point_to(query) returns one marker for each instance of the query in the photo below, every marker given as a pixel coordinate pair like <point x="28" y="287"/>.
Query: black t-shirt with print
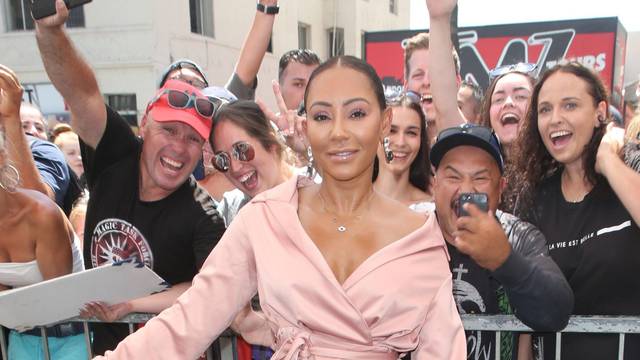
<point x="475" y="292"/>
<point x="173" y="236"/>
<point x="596" y="244"/>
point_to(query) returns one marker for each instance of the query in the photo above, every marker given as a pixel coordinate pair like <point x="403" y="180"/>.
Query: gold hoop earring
<point x="388" y="154"/>
<point x="9" y="178"/>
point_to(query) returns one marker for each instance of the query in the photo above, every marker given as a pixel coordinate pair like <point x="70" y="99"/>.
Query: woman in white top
<point x="407" y="177"/>
<point x="36" y="241"/>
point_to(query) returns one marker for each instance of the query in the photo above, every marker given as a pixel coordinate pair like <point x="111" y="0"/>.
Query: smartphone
<point x="481" y="200"/>
<point x="43" y="8"/>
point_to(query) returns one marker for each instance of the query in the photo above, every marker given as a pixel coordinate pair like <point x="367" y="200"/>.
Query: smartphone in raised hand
<point x="43" y="8"/>
<point x="481" y="200"/>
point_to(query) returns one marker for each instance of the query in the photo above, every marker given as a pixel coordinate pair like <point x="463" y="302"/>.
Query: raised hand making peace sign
<point x="290" y="124"/>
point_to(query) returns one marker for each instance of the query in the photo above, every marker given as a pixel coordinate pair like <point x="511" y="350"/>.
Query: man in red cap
<point x="144" y="204"/>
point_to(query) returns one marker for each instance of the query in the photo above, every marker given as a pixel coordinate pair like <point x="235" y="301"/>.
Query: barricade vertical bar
<point x="131" y="328"/>
<point x="498" y="338"/>
<point x="45" y="343"/>
<point x="3" y="344"/>
<point x="621" y="347"/>
<point x="87" y="339"/>
<point x="558" y="345"/>
<point x="209" y="353"/>
<point x="234" y="347"/>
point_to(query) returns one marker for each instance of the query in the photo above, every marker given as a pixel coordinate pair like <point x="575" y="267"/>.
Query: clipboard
<point x="58" y="299"/>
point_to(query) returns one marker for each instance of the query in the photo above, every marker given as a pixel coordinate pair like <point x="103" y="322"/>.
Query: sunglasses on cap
<point x="185" y="64"/>
<point x="524" y="68"/>
<point x="180" y="100"/>
<point x="242" y="151"/>
<point x="412" y="96"/>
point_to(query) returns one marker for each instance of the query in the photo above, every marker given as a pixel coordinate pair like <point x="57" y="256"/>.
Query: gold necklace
<point x="569" y="195"/>
<point x="341" y="226"/>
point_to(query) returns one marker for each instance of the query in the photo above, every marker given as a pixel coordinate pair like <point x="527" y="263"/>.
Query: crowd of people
<point x="345" y="224"/>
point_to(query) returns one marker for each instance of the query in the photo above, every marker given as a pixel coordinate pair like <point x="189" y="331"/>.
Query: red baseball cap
<point x="161" y="111"/>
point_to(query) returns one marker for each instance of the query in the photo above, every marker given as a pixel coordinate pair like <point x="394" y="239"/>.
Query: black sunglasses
<point x="524" y="68"/>
<point x="242" y="151"/>
<point x="182" y="100"/>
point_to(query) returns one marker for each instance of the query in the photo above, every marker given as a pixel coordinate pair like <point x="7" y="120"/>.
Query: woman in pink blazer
<point x="342" y="272"/>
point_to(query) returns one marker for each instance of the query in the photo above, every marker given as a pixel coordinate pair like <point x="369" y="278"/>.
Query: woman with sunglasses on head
<point x="247" y="151"/>
<point x="573" y="184"/>
<point x="329" y="261"/>
<point x="406" y="176"/>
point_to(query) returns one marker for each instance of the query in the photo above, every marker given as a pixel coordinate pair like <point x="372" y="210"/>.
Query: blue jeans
<point x="22" y="347"/>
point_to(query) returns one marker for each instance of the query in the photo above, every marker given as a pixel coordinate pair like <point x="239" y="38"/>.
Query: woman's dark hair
<point x="485" y="112"/>
<point x="351" y="63"/>
<point x="419" y="171"/>
<point x="533" y="163"/>
<point x="248" y="116"/>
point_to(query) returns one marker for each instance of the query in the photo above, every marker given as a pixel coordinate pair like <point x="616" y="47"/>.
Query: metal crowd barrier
<point x="620" y="325"/>
<point x="224" y="347"/>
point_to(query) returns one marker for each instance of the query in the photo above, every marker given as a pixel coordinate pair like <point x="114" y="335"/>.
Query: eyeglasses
<point x="182" y="100"/>
<point x="413" y="96"/>
<point x="242" y="151"/>
<point x="525" y="68"/>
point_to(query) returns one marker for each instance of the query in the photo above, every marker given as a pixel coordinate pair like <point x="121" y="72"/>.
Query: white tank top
<point x="23" y="274"/>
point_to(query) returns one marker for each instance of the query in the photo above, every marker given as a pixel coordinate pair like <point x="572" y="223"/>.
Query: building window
<point x="393" y="6"/>
<point x="304" y="36"/>
<point x="336" y="42"/>
<point x="18" y="16"/>
<point x="125" y="105"/>
<point x="201" y="16"/>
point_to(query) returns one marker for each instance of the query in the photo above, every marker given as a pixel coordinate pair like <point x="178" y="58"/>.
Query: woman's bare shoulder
<point x="397" y="215"/>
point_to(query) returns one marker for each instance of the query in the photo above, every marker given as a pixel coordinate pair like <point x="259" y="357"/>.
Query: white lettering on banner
<point x="594" y="62"/>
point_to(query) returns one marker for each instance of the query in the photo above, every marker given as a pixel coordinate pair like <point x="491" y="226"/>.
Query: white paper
<point x="62" y="298"/>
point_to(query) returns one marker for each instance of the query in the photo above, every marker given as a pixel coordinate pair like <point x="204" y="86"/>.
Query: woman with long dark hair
<point x="407" y="176"/>
<point x="506" y="101"/>
<point x="573" y="185"/>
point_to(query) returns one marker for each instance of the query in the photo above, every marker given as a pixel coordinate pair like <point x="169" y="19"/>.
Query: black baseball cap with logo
<point x="467" y="134"/>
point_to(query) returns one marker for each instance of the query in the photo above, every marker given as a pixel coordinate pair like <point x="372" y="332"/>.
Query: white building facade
<point x="129" y="43"/>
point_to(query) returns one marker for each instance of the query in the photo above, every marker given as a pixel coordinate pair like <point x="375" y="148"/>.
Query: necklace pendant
<point x="341" y="228"/>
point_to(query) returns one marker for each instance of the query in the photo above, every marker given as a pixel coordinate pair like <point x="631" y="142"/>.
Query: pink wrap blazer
<point x="397" y="301"/>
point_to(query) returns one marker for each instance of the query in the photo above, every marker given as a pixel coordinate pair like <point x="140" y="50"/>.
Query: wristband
<point x="269" y="10"/>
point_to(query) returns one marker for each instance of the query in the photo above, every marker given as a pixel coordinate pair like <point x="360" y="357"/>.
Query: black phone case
<point x="481" y="200"/>
<point x="43" y="8"/>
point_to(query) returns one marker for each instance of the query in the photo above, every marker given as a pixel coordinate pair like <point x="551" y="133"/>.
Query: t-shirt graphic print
<point x="115" y="240"/>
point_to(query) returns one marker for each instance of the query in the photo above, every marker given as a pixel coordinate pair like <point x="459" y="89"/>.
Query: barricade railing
<point x="216" y="351"/>
<point x="620" y="325"/>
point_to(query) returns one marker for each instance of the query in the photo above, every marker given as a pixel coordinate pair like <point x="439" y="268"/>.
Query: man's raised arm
<point x="71" y="76"/>
<point x="442" y="69"/>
